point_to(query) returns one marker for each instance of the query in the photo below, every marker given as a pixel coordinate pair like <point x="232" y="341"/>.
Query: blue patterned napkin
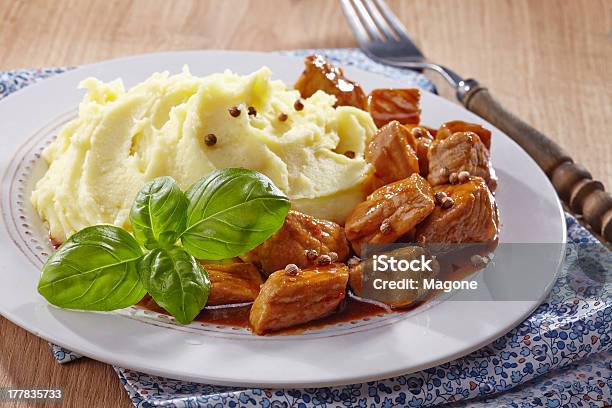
<point x="561" y="356"/>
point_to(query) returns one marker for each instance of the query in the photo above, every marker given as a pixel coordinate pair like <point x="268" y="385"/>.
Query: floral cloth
<point x="561" y="356"/>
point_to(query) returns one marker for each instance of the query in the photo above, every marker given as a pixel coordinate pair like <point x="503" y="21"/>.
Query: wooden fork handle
<point x="573" y="182"/>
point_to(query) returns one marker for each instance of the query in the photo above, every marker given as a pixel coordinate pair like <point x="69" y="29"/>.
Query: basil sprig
<point x="176" y="281"/>
<point x="223" y="215"/>
<point x="230" y="212"/>
<point x="158" y="213"/>
<point x="95" y="269"/>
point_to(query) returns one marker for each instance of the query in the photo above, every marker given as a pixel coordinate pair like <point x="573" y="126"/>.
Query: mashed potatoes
<point x="121" y="139"/>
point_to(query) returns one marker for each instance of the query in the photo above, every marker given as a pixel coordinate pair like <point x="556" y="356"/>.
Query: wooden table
<point x="547" y="60"/>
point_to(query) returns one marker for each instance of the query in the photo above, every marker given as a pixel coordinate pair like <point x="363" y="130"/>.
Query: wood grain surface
<point x="548" y="61"/>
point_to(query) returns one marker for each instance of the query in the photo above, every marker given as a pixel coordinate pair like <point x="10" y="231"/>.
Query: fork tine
<point x="365" y="20"/>
<point x="355" y="23"/>
<point x="379" y="32"/>
<point x="381" y="22"/>
<point x="395" y="23"/>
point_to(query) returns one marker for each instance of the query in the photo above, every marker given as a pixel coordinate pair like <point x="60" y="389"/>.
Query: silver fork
<point x="383" y="37"/>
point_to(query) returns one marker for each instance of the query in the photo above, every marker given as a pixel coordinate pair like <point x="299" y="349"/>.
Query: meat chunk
<point x="462" y="151"/>
<point x="233" y="283"/>
<point x="423" y="139"/>
<point x="362" y="276"/>
<point x="473" y="216"/>
<point x="386" y="105"/>
<point x="289" y="300"/>
<point x="433" y="132"/>
<point x="390" y="212"/>
<point x="320" y="75"/>
<point x="449" y="128"/>
<point x="300" y="237"/>
<point x="356" y="277"/>
<point x="392" y="152"/>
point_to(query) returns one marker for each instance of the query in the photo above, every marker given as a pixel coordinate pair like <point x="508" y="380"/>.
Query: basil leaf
<point x="176" y="281"/>
<point x="95" y="269"/>
<point x="230" y="212"/>
<point x="158" y="213"/>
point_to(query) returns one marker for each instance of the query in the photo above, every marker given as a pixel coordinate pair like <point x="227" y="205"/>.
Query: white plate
<point x="346" y="353"/>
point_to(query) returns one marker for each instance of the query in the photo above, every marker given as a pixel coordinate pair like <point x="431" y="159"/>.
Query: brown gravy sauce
<point x="350" y="310"/>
